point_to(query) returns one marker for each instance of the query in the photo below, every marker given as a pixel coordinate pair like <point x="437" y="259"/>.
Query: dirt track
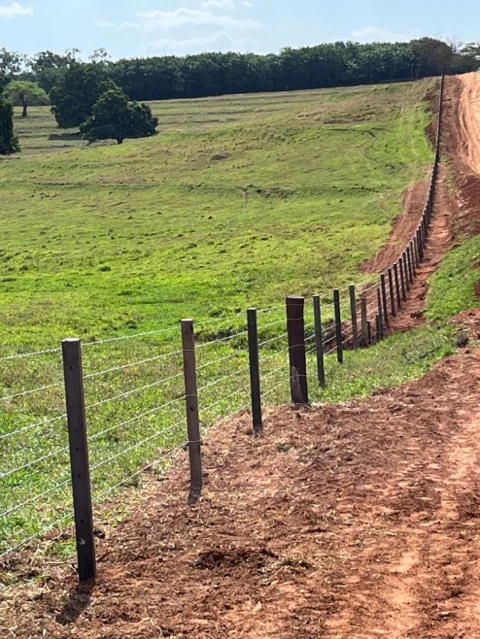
<point x="348" y="522"/>
<point x="470" y="119"/>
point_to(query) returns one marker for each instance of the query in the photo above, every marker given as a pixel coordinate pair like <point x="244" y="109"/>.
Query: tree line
<point x="195" y="76"/>
<point x="99" y="96"/>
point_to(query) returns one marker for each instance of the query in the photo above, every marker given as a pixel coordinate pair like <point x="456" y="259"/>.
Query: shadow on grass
<point x="66" y="136"/>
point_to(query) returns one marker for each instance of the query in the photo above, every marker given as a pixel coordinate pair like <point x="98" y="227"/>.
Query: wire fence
<point x="137" y="402"/>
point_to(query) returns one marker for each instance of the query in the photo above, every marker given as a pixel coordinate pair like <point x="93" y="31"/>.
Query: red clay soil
<point x="454" y="213"/>
<point x="351" y="521"/>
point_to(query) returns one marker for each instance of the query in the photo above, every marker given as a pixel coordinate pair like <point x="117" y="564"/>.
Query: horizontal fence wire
<point x="368" y="290"/>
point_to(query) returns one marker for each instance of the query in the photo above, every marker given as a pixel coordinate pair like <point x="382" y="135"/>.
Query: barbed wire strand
<point x="30" y="392"/>
<point x="133" y="392"/>
<point x="152" y="411"/>
<point x="32" y="426"/>
<point x="34" y="499"/>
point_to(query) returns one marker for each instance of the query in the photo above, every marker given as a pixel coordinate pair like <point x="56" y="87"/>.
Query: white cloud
<point x="248" y="4"/>
<point x="106" y="24"/>
<point x="220" y="4"/>
<point x="221" y="41"/>
<point x="14" y="10"/>
<point x="373" y="34"/>
<point x="118" y="27"/>
<point x="165" y="20"/>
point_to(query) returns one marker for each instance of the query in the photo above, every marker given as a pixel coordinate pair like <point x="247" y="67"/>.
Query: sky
<point x="137" y="28"/>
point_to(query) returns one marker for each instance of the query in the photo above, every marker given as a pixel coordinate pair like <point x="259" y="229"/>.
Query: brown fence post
<point x="254" y="371"/>
<point x="409" y="265"/>
<point x="317" y="311"/>
<point x="338" y="325"/>
<point x="402" y="279"/>
<point x="392" y="292"/>
<point x="383" y="285"/>
<point x="296" y="348"/>
<point x="405" y="270"/>
<point x="79" y="463"/>
<point x="412" y="259"/>
<point x="193" y="420"/>
<point x="353" y="311"/>
<point x="380" y="314"/>
<point x="397" y="286"/>
<point x="364" y="314"/>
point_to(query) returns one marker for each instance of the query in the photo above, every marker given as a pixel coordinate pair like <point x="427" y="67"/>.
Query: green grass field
<point x="239" y="200"/>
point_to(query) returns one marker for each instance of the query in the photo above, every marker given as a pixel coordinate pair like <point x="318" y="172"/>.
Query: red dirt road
<point x="470" y="119"/>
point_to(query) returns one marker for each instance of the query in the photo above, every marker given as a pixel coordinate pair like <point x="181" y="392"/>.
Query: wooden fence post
<point x="296" y="349"/>
<point x="380" y="315"/>
<point x="193" y="419"/>
<point x="412" y="260"/>
<point x="79" y="463"/>
<point x="364" y="314"/>
<point x="353" y="311"/>
<point x="402" y="279"/>
<point x="254" y="371"/>
<point x="338" y="325"/>
<point x="384" y="300"/>
<point x="397" y="286"/>
<point x="317" y="312"/>
<point x="405" y="270"/>
<point x="410" y="265"/>
<point x="392" y="292"/>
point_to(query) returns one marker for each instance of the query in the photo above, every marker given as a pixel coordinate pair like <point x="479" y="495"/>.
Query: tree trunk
<point x="25" y="107"/>
<point x="120" y="140"/>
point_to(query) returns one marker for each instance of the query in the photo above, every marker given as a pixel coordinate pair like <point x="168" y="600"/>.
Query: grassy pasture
<point x="240" y="200"/>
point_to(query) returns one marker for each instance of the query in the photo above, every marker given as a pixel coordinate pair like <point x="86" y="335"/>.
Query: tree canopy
<point x="8" y="140"/>
<point x="159" y="78"/>
<point x="115" y="118"/>
<point x="76" y="92"/>
<point x="24" y="93"/>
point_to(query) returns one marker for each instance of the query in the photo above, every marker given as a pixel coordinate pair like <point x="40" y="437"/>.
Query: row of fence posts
<point x="390" y="300"/>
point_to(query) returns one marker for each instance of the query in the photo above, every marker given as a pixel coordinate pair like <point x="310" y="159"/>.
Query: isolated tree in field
<point x="115" y="118"/>
<point x="23" y="93"/>
<point x="76" y="92"/>
<point x="8" y="140"/>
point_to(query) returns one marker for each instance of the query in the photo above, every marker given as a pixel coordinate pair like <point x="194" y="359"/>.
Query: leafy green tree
<point x="8" y="140"/>
<point x="115" y="118"/>
<point x="76" y="93"/>
<point x="24" y="93"/>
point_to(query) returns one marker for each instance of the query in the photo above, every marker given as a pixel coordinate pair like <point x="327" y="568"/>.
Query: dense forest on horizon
<point x="208" y="74"/>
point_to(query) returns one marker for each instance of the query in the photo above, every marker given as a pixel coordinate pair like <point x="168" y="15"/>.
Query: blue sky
<point x="129" y="28"/>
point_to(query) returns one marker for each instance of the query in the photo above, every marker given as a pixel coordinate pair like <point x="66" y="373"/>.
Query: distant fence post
<point x="392" y="292"/>
<point x="384" y="300"/>
<point x="402" y="279"/>
<point x="317" y="311"/>
<point x="79" y="463"/>
<point x="364" y="315"/>
<point x="353" y="311"/>
<point x="193" y="419"/>
<point x="410" y="264"/>
<point x="380" y="315"/>
<point x="419" y="244"/>
<point x="296" y="349"/>
<point x="254" y="371"/>
<point x="338" y="325"/>
<point x="405" y="270"/>
<point x="397" y="286"/>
